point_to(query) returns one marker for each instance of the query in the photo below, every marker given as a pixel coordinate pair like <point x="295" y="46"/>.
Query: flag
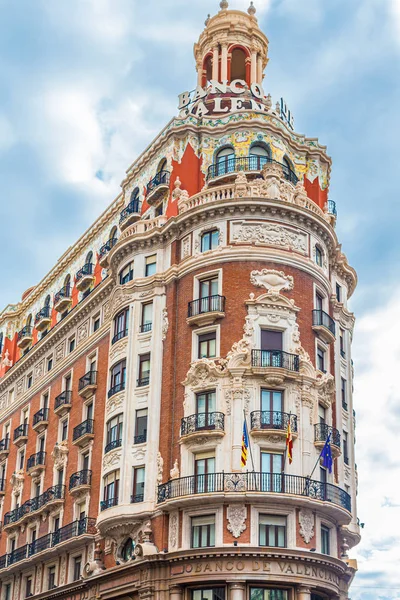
<point x="245" y="445"/>
<point x="289" y="443"/>
<point x="326" y="454"/>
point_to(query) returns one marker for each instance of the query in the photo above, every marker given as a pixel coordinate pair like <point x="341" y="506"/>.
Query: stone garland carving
<point x="63" y="570"/>
<point x="38" y="579"/>
<point x="186" y="250"/>
<point x="114" y="403"/>
<point x="271" y="280"/>
<point x="39" y="369"/>
<point x="17" y="481"/>
<point x="165" y="323"/>
<point x="20" y="387"/>
<point x="173" y="531"/>
<point x="111" y="459"/>
<point x="270" y="234"/>
<point x="60" y="352"/>
<point x="236" y="515"/>
<point x="306" y="521"/>
<point x="205" y="372"/>
<point x="83" y="331"/>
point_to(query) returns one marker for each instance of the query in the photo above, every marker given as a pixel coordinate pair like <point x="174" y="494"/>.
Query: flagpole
<point x="319" y="457"/>
<point x="286" y="447"/>
<point x="248" y="437"/>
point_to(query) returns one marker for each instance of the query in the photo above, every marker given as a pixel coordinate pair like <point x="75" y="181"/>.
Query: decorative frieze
<point x="269" y="234"/>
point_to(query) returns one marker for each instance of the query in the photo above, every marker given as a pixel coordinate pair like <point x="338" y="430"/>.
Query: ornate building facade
<point x="212" y="292"/>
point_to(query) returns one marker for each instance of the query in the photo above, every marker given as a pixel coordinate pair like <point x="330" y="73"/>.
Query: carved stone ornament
<point x="63" y="570"/>
<point x="237" y="515"/>
<point x="20" y="387"/>
<point x="95" y="566"/>
<point x="160" y="468"/>
<point x="118" y="348"/>
<point x="60" y="455"/>
<point x="38" y="579"/>
<point x="165" y="323"/>
<point x="173" y="531"/>
<point x="204" y="372"/>
<point x="271" y="280"/>
<point x="186" y="247"/>
<point x="17" y="481"/>
<point x="6" y="362"/>
<point x="326" y="389"/>
<point x="174" y="473"/>
<point x="270" y="234"/>
<point x="39" y="369"/>
<point x="83" y="331"/>
<point x="306" y="521"/>
<point x="115" y="402"/>
<point x="60" y="351"/>
<point x="111" y="459"/>
<point x="239" y="355"/>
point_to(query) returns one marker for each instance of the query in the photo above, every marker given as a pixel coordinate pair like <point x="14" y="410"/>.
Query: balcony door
<point x="208" y="288"/>
<point x="271" y="472"/>
<point x="204" y="474"/>
<point x="271" y="346"/>
<point x="205" y="406"/>
<point x="271" y="409"/>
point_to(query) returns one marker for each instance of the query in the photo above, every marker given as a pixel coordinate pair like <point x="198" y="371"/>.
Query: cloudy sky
<point x="86" y="84"/>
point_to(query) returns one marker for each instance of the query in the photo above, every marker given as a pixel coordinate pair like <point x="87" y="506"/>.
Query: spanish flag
<point x="245" y="445"/>
<point x="289" y="443"/>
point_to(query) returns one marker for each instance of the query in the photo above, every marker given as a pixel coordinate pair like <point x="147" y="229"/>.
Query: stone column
<point x="237" y="590"/>
<point x="224" y="62"/>
<point x="303" y="593"/>
<point x="215" y="64"/>
<point x="253" y="78"/>
<point x="259" y="70"/>
<point x="175" y="592"/>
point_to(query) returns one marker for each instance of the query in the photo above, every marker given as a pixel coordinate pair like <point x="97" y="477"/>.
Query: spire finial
<point x="207" y="20"/>
<point x="224" y="4"/>
<point x="251" y="10"/>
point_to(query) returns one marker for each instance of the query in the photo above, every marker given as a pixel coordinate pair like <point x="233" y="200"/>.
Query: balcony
<point x="50" y="498"/>
<point x="116" y="388"/>
<point x="63" y="299"/>
<point x="206" y="311"/>
<point x="146" y="327"/>
<point x="263" y="422"/>
<point x="21" y="435"/>
<point x="324" y="325"/>
<point x="158" y="187"/>
<point x="275" y="365"/>
<point x="112" y="445"/>
<point x="130" y="214"/>
<point x="43" y="318"/>
<point x="25" y="337"/>
<point x="4" y="447"/>
<point x="87" y="384"/>
<point x="83" y="433"/>
<point x="140" y="439"/>
<point x="137" y="498"/>
<point x="321" y="433"/>
<point x="224" y="169"/>
<point x="85" y="277"/>
<point x="36" y="464"/>
<point x="80" y="482"/>
<point x="2" y="487"/>
<point x="109" y="503"/>
<point x="252" y="483"/>
<point x="41" y="420"/>
<point x="119" y="336"/>
<point x="105" y="250"/>
<point x="144" y="380"/>
<point x="203" y="425"/>
<point x="63" y="402"/>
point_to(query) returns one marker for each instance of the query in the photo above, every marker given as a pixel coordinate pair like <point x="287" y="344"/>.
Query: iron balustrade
<point x="74" y="529"/>
<point x="56" y="492"/>
<point x="205" y="305"/>
<point x="80" y="478"/>
<point x="42" y="543"/>
<point x="116" y="388"/>
<point x="21" y="431"/>
<point x="17" y="555"/>
<point x="119" y="335"/>
<point x="142" y="381"/>
<point x="4" y="444"/>
<point x="321" y="319"/>
<point x="247" y="163"/>
<point x="332" y="208"/>
<point x="140" y="439"/>
<point x="278" y="483"/>
<point x="25" y="332"/>
<point x="137" y="498"/>
<point x="266" y="419"/>
<point x="322" y="432"/>
<point x="83" y="429"/>
<point x="63" y="398"/>
<point x="275" y="358"/>
<point x="112" y="445"/>
<point x="44" y="313"/>
<point x="134" y="207"/>
<point x="2" y="485"/>
<point x="109" y="503"/>
<point x="85" y="271"/>
<point x="146" y="327"/>
<point x="107" y="247"/>
<point x="203" y="421"/>
<point x="89" y="378"/>
<point x="64" y="293"/>
<point x="161" y="178"/>
<point x="36" y="459"/>
<point x="41" y="415"/>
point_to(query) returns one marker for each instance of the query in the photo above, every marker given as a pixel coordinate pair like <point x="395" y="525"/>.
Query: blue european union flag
<point x="327" y="460"/>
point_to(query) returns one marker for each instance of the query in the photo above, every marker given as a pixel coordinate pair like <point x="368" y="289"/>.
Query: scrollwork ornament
<point x="236" y="515"/>
<point x="306" y="521"/>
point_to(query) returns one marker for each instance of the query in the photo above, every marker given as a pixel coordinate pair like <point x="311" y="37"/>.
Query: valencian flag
<point x="327" y="460"/>
<point x="245" y="445"/>
<point x="289" y="443"/>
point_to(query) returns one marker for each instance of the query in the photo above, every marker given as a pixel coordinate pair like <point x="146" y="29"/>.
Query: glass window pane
<point x="212" y="535"/>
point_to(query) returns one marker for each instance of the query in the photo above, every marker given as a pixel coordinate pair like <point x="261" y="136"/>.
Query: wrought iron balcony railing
<point x="322" y="431"/>
<point x="74" y="529"/>
<point x="25" y="332"/>
<point x="140" y="439"/>
<point x="105" y="249"/>
<point x="36" y="459"/>
<point x="56" y="492"/>
<point x="64" y="398"/>
<point x="82" y="429"/>
<point x="109" y="503"/>
<point x="80" y="478"/>
<point x="119" y="335"/>
<point x="41" y="415"/>
<point x="247" y="164"/>
<point x="86" y="270"/>
<point x="146" y="327"/>
<point x="116" y="388"/>
<point x="277" y="483"/>
<point x="21" y="431"/>
<point x="134" y="207"/>
<point x="161" y="178"/>
<point x="322" y="319"/>
<point x="265" y="419"/>
<point x="89" y="378"/>
<point x="44" y="313"/>
<point x="213" y="421"/>
<point x="137" y="498"/>
<point x="112" y="445"/>
<point x="205" y="305"/>
<point x="144" y="380"/>
<point x="63" y="294"/>
<point x="275" y="358"/>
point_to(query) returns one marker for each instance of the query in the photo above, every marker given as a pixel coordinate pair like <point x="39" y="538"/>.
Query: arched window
<point x="288" y="170"/>
<point x="162" y="166"/>
<point x="259" y="155"/>
<point x="208" y="68"/>
<point x="238" y="64"/>
<point x="225" y="161"/>
<point x="128" y="550"/>
<point x="210" y="240"/>
<point x="1" y="344"/>
<point x="113" y="236"/>
<point x="47" y="301"/>
<point x="89" y="258"/>
<point x="29" y="321"/>
<point x="319" y="256"/>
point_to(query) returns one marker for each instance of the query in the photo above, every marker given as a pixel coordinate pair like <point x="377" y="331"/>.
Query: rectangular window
<point x="138" y="484"/>
<point x="51" y="578"/>
<point x="268" y="594"/>
<point x="272" y="530"/>
<point x="77" y="568"/>
<point x="29" y="381"/>
<point x="60" y="477"/>
<point x="345" y="448"/>
<point x="321" y="359"/>
<point x="147" y="317"/>
<point x="325" y="540"/>
<point x="126" y="274"/>
<point x="209" y="594"/>
<point x="118" y="377"/>
<point x="322" y="475"/>
<point x="207" y="347"/>
<point x="64" y="429"/>
<point x="271" y="340"/>
<point x="271" y="408"/>
<point x="45" y="401"/>
<point x="121" y="325"/>
<point x="111" y="489"/>
<point x="272" y="466"/>
<point x="28" y="587"/>
<point x="71" y="344"/>
<point x="7" y="591"/>
<point x="67" y="383"/>
<point x="96" y="323"/>
<point x="321" y="414"/>
<point x="205" y="402"/>
<point x="203" y="532"/>
<point x="210" y="240"/>
<point x="204" y="468"/>
<point x="343" y="386"/>
<point x="338" y="292"/>
<point x="21" y="460"/>
<point x="151" y="265"/>
<point x="49" y="363"/>
<point x="89" y="411"/>
<point x="114" y="433"/>
<point x="141" y="426"/>
<point x="208" y="287"/>
<point x="319" y="301"/>
<point x="342" y="346"/>
<point x="144" y="369"/>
